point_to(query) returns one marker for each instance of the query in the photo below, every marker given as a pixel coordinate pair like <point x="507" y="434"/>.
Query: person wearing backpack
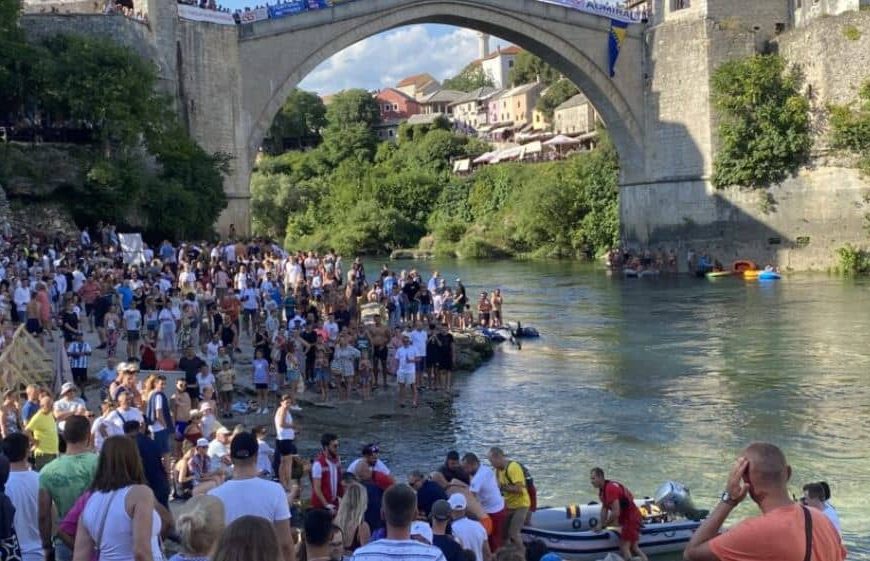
<point x="512" y="483"/>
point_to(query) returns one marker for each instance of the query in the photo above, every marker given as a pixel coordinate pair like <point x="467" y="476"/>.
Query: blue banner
<point x="317" y="4"/>
<point x="599" y="8"/>
<point x="614" y="42"/>
<point x="288" y="8"/>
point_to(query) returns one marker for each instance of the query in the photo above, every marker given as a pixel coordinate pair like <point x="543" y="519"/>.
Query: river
<point x="657" y="379"/>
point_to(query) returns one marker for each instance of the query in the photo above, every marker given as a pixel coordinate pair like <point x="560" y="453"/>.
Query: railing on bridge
<point x="635" y="11"/>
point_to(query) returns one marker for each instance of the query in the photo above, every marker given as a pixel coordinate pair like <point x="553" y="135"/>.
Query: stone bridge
<point x="230" y="81"/>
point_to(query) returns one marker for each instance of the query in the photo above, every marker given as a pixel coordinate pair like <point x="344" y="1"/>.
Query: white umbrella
<point x="561" y="140"/>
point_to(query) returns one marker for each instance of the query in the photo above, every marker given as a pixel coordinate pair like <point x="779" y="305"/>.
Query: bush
<point x="764" y="129"/>
<point x="853" y="260"/>
<point x="850" y="126"/>
<point x="851" y="32"/>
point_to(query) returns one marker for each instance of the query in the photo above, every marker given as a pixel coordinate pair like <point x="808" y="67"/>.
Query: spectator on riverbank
<point x="761" y="472"/>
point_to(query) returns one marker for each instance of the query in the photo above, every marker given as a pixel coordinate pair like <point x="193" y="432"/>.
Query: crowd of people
<point x="82" y="484"/>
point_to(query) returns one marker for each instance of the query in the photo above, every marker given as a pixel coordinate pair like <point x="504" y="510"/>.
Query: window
<point x="391" y="133"/>
<point x="680" y="4"/>
<point x="510" y="64"/>
<point x="395" y="107"/>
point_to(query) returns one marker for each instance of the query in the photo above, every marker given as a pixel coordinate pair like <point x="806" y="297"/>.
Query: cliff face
<point x="31" y="177"/>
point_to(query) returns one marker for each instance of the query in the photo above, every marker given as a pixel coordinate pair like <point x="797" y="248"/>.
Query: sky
<point x="383" y="60"/>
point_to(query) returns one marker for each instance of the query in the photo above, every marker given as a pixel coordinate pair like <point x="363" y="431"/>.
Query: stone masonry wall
<point x="208" y="59"/>
<point x="796" y="225"/>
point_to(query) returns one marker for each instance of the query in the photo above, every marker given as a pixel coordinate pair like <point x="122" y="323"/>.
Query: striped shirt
<point x="397" y="550"/>
<point x="79" y="348"/>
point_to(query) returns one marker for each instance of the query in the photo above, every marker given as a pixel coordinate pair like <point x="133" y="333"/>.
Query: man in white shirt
<point x="250" y="305"/>
<point x="21" y="297"/>
<point x="814" y="496"/>
<point x="418" y="340"/>
<point x="406" y="373"/>
<point x="248" y="494"/>
<point x="331" y="328"/>
<point x="470" y="533"/>
<point x="399" y="510"/>
<point x="371" y="456"/>
<point x="125" y="412"/>
<point x="68" y="405"/>
<point x="23" y="490"/>
<point x="484" y="485"/>
<point x="219" y="452"/>
<point x="132" y="323"/>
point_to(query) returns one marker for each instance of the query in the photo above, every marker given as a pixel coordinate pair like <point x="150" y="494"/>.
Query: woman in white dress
<point x="119" y="522"/>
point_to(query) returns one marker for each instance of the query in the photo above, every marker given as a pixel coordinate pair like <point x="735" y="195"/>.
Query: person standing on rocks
<point x="379" y="335"/>
<point x="326" y="485"/>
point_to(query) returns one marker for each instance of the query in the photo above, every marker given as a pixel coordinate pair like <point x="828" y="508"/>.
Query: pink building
<point x="394" y="105"/>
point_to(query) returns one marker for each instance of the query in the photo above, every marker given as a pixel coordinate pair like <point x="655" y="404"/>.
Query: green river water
<point x="657" y="379"/>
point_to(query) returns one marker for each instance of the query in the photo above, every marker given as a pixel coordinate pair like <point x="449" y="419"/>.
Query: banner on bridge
<point x="250" y="16"/>
<point x="599" y="9"/>
<point x="194" y="13"/>
<point x="288" y="8"/>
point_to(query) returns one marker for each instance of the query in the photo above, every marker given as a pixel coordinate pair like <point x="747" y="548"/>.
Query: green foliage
<point x="396" y="195"/>
<point x="764" y="129"/>
<point x="853" y="260"/>
<point x="556" y="95"/>
<point x="97" y="83"/>
<point x="352" y="107"/>
<point x="469" y="78"/>
<point x="529" y="68"/>
<point x="851" y="32"/>
<point x="303" y="115"/>
<point x="850" y="126"/>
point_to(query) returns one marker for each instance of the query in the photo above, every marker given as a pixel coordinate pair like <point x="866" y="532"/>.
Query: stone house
<point x="575" y="116"/>
<point x="470" y="110"/>
<point x="418" y="86"/>
<point x="395" y="104"/>
<point x="439" y="102"/>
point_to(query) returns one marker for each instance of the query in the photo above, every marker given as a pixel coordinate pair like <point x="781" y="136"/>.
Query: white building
<point x="497" y="65"/>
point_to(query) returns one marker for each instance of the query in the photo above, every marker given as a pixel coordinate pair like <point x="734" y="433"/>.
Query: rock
<point x="411" y="254"/>
<point x="472" y="350"/>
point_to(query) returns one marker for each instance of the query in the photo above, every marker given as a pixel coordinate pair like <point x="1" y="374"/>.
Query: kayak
<point x="769" y="275"/>
<point x="718" y="274"/>
<point x="742" y="266"/>
<point x="751" y="274"/>
<point x="570" y="534"/>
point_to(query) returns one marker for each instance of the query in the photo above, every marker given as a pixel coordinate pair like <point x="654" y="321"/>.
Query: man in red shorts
<point x="617" y="507"/>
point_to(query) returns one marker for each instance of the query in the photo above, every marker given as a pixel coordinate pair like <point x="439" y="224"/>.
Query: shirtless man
<point x="180" y="405"/>
<point x="34" y="325"/>
<point x="379" y="335"/>
<point x="496" y="300"/>
<point x="484" y="308"/>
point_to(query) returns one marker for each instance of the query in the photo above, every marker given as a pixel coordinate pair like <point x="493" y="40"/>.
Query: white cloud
<point x="382" y="60"/>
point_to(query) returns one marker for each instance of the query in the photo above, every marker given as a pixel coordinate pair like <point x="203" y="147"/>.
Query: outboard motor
<point x="675" y="498"/>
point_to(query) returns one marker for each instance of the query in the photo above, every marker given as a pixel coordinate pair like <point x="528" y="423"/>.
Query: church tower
<point x="482" y="45"/>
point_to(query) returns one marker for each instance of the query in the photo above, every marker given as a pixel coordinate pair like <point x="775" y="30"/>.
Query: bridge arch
<point x="276" y="55"/>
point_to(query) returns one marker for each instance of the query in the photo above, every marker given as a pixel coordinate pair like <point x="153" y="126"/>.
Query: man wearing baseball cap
<point x="441" y="515"/>
<point x="237" y="494"/>
<point x="470" y="533"/>
<point x="370" y="455"/>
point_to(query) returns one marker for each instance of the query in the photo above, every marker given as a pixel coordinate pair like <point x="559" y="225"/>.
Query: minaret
<point x="483" y="44"/>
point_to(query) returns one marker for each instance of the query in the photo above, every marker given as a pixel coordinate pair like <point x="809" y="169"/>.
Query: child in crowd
<point x="365" y="377"/>
<point x="113" y="325"/>
<point x="264" y="452"/>
<point x="199" y="527"/>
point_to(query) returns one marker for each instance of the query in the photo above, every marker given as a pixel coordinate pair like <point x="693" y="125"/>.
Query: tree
<point x="19" y="78"/>
<point x="352" y="107"/>
<point x="99" y="82"/>
<point x="302" y="116"/>
<point x="529" y="68"/>
<point x="469" y="78"/>
<point x="556" y="95"/>
<point x="850" y="127"/>
<point x="764" y="128"/>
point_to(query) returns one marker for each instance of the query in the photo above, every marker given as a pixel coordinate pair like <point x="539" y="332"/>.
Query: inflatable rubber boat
<point x="520" y="332"/>
<point x="669" y="523"/>
<point x="769" y="275"/>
